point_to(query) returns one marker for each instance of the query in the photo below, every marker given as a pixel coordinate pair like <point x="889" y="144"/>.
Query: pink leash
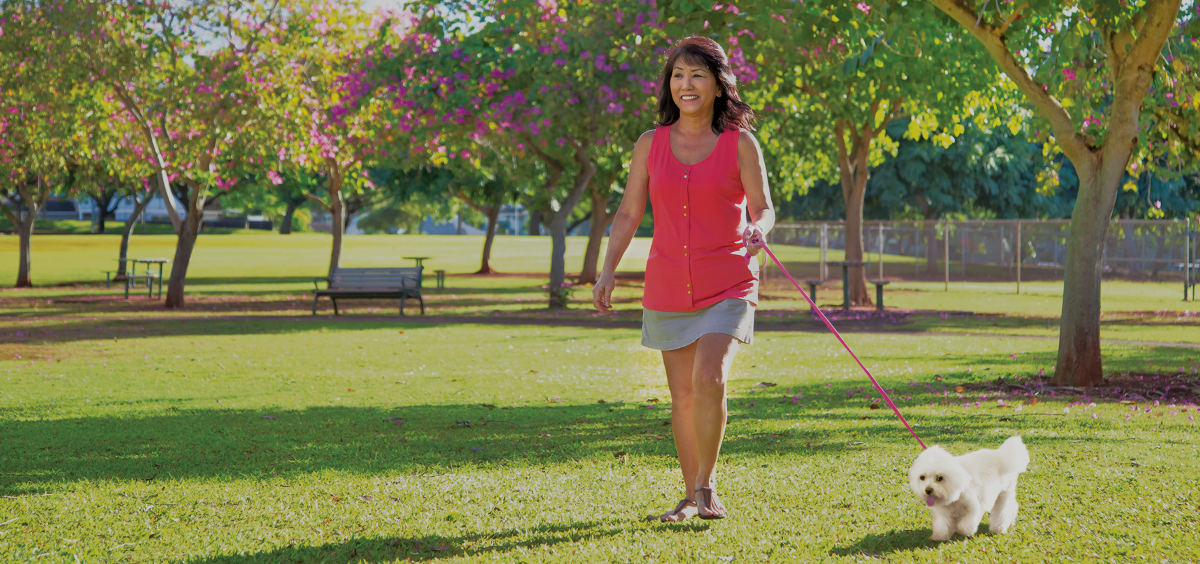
<point x="840" y="339"/>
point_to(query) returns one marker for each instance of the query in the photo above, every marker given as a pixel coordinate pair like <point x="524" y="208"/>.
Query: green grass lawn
<point x="244" y="429"/>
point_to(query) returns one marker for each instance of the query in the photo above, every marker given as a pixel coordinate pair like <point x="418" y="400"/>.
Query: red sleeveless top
<point x="697" y="257"/>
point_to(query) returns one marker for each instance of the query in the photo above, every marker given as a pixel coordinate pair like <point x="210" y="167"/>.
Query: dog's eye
<point x="922" y="478"/>
<point x="939" y="478"/>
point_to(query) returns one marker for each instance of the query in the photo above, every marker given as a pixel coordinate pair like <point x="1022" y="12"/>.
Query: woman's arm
<point x="625" y="224"/>
<point x="758" y="195"/>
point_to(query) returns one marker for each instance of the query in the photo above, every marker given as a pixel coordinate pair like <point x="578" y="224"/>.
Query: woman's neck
<point x="694" y="125"/>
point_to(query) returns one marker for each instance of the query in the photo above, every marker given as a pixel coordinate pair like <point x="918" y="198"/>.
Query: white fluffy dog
<point x="960" y="489"/>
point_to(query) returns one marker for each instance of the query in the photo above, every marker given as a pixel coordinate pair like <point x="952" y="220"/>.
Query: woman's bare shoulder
<point x="644" y="140"/>
<point x="745" y="136"/>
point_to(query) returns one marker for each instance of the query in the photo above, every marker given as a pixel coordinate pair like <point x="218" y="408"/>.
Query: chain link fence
<point x="989" y="250"/>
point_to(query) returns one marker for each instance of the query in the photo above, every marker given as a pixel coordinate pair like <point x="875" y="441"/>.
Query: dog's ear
<point x="955" y="480"/>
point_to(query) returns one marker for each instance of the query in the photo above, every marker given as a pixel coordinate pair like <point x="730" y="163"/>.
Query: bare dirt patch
<point x="1179" y="388"/>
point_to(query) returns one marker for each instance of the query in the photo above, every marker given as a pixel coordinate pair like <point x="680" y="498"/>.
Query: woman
<point x="704" y="174"/>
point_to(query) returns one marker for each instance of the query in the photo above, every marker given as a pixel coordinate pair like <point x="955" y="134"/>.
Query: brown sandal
<point x="705" y="508"/>
<point x="681" y="509"/>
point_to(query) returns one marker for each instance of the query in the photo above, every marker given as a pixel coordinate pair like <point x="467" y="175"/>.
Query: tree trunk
<point x="485" y="266"/>
<point x="535" y="222"/>
<point x="285" y="228"/>
<point x="189" y="229"/>
<point x="127" y="232"/>
<point x="1079" y="362"/>
<point x="855" y="171"/>
<point x="337" y="210"/>
<point x="32" y="203"/>
<point x="559" y="296"/>
<point x="25" y="235"/>
<point x="601" y="219"/>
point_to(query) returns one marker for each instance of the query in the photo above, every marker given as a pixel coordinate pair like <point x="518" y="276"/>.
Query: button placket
<point x="687" y="229"/>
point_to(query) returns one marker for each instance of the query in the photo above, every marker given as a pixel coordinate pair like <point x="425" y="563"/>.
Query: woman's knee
<point x="709" y="379"/>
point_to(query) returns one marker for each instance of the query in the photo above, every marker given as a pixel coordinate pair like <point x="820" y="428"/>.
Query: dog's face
<point x="937" y="478"/>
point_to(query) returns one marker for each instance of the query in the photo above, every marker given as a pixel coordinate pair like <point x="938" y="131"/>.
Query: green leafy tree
<point x="1114" y="84"/>
<point x="831" y="77"/>
<point x="44" y="102"/>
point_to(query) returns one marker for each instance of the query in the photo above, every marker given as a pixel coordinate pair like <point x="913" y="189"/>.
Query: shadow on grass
<point x="896" y="541"/>
<point x="429" y="547"/>
<point x="179" y="443"/>
<point x="293" y="314"/>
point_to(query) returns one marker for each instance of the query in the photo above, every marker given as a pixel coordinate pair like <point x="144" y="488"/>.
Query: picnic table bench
<point x="358" y="283"/>
<point x="131" y="278"/>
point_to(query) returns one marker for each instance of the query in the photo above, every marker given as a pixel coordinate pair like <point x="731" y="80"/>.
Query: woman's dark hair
<point x="729" y="111"/>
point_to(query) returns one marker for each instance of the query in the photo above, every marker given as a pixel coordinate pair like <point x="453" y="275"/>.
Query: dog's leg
<point x="1004" y="513"/>
<point x="941" y="526"/>
<point x="968" y="521"/>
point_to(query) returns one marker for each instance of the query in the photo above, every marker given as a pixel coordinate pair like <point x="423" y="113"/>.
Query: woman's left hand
<point x="753" y="238"/>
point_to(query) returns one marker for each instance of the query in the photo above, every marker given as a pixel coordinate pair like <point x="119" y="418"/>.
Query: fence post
<point x="881" y="250"/>
<point x="962" y="240"/>
<point x="1187" y="256"/>
<point x="1018" y="257"/>
<point x="946" y="257"/>
<point x="824" y="250"/>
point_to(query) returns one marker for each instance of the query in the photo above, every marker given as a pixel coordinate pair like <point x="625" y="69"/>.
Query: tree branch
<point x="1011" y="18"/>
<point x="1072" y="142"/>
<point x="1153" y="25"/>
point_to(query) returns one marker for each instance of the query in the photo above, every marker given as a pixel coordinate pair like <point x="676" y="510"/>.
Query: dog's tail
<point x="1015" y="455"/>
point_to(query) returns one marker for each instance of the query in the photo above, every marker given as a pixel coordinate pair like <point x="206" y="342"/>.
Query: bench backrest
<point x="399" y="277"/>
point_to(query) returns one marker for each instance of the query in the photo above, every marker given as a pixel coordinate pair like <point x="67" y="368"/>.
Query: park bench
<point x="358" y="283"/>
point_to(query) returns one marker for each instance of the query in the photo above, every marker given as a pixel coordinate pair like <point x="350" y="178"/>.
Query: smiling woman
<point x="703" y="172"/>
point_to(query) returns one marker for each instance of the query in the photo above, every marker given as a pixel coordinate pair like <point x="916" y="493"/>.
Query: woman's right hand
<point x="602" y="291"/>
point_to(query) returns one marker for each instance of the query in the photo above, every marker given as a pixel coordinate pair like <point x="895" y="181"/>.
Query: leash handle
<point x="879" y="388"/>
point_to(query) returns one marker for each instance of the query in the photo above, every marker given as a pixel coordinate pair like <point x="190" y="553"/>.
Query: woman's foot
<point x="684" y="509"/>
<point x="708" y="506"/>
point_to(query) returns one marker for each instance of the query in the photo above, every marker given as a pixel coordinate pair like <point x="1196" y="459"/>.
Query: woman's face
<point x="693" y="87"/>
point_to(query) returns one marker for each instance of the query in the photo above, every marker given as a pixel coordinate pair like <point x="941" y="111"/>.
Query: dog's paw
<point x="939" y="538"/>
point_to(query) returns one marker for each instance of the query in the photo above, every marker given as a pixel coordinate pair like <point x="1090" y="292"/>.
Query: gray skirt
<point x="670" y="330"/>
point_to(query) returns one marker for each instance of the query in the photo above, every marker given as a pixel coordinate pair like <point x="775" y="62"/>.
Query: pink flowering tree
<point x="44" y="103"/>
<point x="550" y="85"/>
<point x="335" y="128"/>
<point x="1114" y="84"/>
<point x="108" y="166"/>
<point x="197" y="81"/>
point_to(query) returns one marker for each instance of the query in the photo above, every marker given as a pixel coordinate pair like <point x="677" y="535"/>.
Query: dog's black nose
<point x="928" y="491"/>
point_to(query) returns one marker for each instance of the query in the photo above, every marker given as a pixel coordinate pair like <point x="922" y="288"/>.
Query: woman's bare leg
<point x="710" y="371"/>
<point x="679" y="366"/>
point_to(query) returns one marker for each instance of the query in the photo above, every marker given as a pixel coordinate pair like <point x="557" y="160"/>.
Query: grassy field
<point x="245" y="429"/>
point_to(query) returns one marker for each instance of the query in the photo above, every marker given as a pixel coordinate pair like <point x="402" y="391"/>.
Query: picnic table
<point x="440" y="275"/>
<point x="879" y="284"/>
<point x="132" y="276"/>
